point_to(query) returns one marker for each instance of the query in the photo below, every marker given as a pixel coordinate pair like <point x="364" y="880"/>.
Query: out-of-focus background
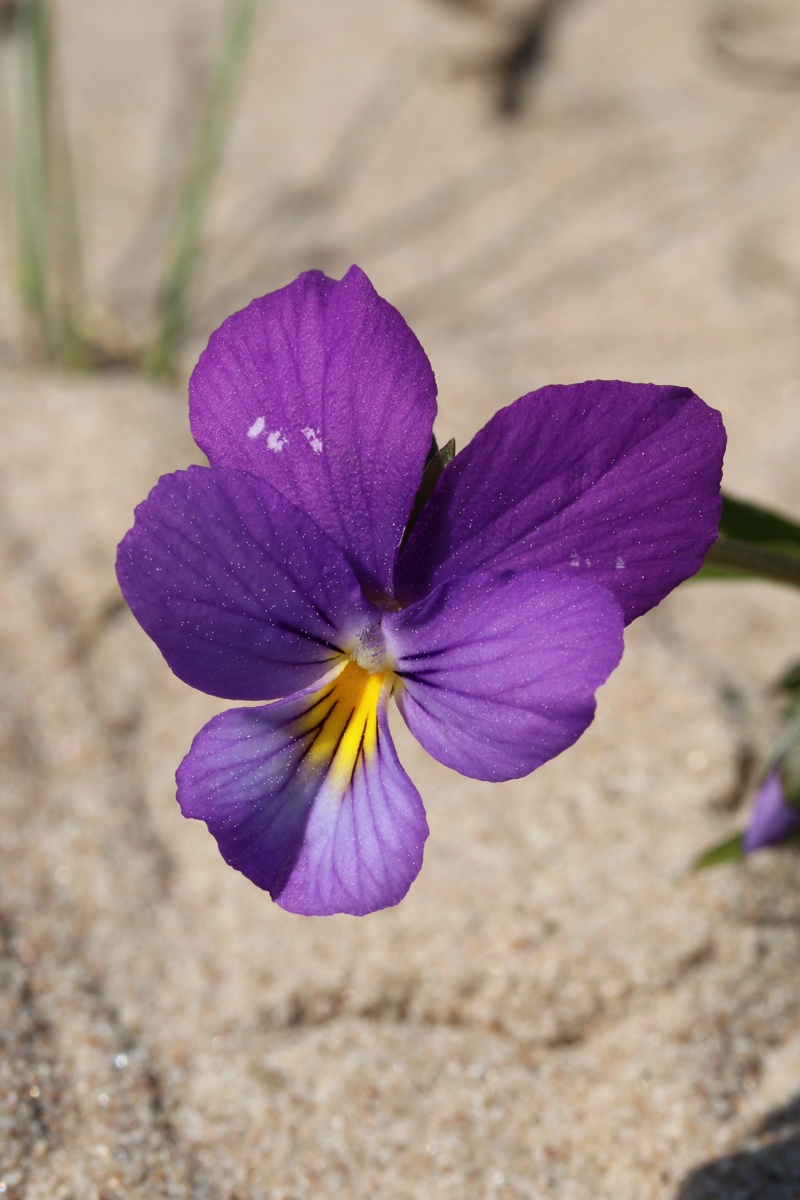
<point x="549" y="192"/>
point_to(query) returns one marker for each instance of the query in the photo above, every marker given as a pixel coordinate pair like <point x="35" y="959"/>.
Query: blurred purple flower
<point x="277" y="574"/>
<point x="772" y="820"/>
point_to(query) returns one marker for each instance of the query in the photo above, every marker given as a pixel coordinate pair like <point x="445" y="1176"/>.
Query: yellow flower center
<point x="343" y="720"/>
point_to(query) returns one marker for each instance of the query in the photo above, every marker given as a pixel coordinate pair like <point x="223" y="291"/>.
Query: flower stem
<point x="743" y="559"/>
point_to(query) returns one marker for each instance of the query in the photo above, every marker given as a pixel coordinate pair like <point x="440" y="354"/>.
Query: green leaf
<point x="50" y="279"/>
<point x="726" y="852"/>
<point x="759" y="526"/>
<point x="754" y="543"/>
<point x="790" y="680"/>
<point x="435" y="465"/>
<point x="239" y="20"/>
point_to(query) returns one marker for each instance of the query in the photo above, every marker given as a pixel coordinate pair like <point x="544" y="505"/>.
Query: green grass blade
<point x="31" y="163"/>
<point x="239" y="23"/>
<point x="49" y="266"/>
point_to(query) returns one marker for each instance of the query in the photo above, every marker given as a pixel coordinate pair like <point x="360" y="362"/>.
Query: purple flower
<point x="277" y="574"/>
<point x="772" y="820"/>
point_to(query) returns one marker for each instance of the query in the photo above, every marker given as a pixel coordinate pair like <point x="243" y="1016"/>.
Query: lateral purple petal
<point x="614" y="482"/>
<point x="499" y="670"/>
<point x="319" y="840"/>
<point x="244" y="595"/>
<point x="322" y="389"/>
<point x="772" y="820"/>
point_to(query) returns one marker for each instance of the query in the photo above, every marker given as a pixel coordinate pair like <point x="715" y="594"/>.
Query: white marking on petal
<point x="276" y="441"/>
<point x="619" y="563"/>
<point x="256" y="428"/>
<point x="574" y="560"/>
<point x="313" y="438"/>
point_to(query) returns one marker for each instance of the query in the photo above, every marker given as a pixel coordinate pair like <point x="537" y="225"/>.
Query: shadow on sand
<point x="769" y="1170"/>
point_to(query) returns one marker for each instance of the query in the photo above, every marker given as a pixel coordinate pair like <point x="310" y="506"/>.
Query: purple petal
<point x="772" y="819"/>
<point x="322" y="389"/>
<point x="499" y="671"/>
<point x="242" y="593"/>
<point x="306" y="798"/>
<point x="617" y="482"/>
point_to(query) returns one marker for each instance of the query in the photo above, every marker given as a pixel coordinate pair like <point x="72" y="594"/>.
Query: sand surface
<point x="557" y="1009"/>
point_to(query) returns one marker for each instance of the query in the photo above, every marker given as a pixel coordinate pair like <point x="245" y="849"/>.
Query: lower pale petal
<point x="307" y="798"/>
<point x="497" y="672"/>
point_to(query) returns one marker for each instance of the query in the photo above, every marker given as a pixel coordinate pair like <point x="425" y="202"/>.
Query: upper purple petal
<point x="615" y="482"/>
<point x="320" y="840"/>
<point x="244" y="595"/>
<point x="772" y="819"/>
<point x="498" y="671"/>
<point x="322" y="389"/>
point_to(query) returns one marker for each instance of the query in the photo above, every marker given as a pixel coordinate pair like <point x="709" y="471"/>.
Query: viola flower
<point x="281" y="574"/>
<point x="773" y="819"/>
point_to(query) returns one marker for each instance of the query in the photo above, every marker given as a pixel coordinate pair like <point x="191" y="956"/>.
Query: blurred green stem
<point x="742" y="559"/>
<point x="239" y="21"/>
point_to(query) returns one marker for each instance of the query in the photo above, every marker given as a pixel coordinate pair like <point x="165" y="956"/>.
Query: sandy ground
<point x="557" y="1009"/>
